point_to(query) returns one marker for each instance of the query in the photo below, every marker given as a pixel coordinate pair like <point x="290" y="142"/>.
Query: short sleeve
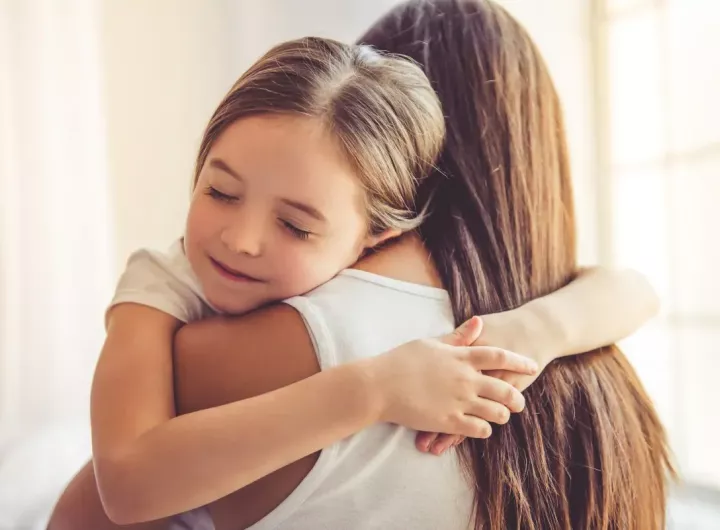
<point x="157" y="280"/>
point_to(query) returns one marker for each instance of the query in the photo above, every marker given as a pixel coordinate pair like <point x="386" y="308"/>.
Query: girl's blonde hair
<point x="380" y="108"/>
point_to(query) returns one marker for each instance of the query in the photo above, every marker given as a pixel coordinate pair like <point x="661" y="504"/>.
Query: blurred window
<point x="659" y="136"/>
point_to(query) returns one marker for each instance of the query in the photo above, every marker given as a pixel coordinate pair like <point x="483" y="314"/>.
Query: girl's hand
<point x="510" y="332"/>
<point x="600" y="307"/>
<point x="437" y="443"/>
<point x="439" y="384"/>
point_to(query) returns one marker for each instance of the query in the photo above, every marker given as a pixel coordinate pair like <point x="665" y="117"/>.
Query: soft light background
<point x="102" y="104"/>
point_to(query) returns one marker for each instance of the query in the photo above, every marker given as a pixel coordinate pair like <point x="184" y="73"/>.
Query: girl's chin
<point x="234" y="307"/>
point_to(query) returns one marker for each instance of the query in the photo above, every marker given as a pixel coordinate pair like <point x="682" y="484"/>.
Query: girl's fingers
<point x="465" y="334"/>
<point x="489" y="358"/>
<point x="425" y="440"/>
<point x="472" y="427"/>
<point x="490" y="411"/>
<point x="501" y="392"/>
<point x="445" y="442"/>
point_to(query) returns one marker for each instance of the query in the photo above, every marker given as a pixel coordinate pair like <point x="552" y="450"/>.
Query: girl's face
<point x="276" y="212"/>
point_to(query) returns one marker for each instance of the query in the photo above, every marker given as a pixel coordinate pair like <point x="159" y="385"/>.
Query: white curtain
<point x="55" y="249"/>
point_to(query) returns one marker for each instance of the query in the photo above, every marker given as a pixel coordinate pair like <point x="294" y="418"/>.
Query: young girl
<point x="310" y="161"/>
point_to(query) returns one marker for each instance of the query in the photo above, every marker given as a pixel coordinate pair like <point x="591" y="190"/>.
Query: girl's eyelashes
<point x="219" y="195"/>
<point x="295" y="231"/>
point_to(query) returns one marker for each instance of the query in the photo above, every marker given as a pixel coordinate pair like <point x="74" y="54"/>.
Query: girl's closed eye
<point x="219" y="195"/>
<point x="295" y="231"/>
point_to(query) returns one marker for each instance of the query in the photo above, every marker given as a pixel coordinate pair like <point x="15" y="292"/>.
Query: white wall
<point x="169" y="62"/>
<point x="166" y="66"/>
<point x="55" y="245"/>
<point x="260" y="25"/>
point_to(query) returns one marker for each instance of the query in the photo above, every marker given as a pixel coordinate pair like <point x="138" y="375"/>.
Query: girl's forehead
<point x="288" y="157"/>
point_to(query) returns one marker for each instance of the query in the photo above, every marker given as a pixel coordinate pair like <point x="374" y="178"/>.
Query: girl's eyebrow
<point x="310" y="210"/>
<point x="220" y="164"/>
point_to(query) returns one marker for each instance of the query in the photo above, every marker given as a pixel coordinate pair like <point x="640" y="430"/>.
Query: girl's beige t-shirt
<point x="164" y="281"/>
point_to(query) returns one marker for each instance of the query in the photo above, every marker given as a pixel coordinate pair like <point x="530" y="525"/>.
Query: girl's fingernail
<point x="439" y="448"/>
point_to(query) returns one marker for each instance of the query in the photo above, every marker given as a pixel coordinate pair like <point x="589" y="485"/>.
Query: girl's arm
<point x="150" y="464"/>
<point x="600" y="307"/>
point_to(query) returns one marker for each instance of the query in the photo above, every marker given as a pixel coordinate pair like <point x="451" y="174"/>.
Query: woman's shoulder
<point x="405" y="259"/>
<point x="359" y="314"/>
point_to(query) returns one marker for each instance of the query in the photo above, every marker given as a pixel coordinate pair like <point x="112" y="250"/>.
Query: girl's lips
<point x="232" y="274"/>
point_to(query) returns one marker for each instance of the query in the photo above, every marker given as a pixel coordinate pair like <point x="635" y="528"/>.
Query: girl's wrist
<point x="541" y="330"/>
<point x="527" y="330"/>
<point x="363" y="387"/>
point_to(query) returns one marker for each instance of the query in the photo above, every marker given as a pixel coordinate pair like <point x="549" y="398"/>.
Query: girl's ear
<point x="382" y="237"/>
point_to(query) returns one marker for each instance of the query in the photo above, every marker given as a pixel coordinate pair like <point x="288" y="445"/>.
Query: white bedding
<point x="34" y="468"/>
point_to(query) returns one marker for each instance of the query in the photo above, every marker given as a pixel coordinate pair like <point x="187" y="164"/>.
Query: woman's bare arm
<point x="216" y="362"/>
<point x="226" y="359"/>
<point x="211" y="369"/>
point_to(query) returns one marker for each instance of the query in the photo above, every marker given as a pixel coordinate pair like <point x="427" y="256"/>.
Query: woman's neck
<point x="404" y="259"/>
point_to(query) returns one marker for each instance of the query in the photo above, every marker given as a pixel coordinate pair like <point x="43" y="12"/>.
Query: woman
<point x="589" y="451"/>
<point x="502" y="214"/>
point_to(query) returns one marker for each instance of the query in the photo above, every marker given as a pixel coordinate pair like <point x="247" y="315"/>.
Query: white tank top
<point x="376" y="479"/>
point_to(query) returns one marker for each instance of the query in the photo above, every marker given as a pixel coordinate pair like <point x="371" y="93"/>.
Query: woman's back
<point x="375" y="479"/>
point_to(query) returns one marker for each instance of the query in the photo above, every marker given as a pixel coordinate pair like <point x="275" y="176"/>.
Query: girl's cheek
<point x="197" y="215"/>
<point x="302" y="271"/>
<point x="205" y="218"/>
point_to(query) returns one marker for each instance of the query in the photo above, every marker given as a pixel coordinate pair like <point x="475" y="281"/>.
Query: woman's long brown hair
<point x="589" y="451"/>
